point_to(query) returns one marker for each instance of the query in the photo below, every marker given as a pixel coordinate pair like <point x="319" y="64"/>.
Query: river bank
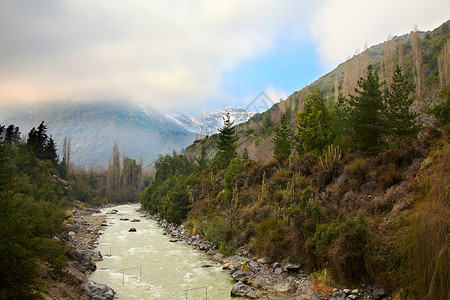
<point x="79" y="237"/>
<point x="255" y="279"/>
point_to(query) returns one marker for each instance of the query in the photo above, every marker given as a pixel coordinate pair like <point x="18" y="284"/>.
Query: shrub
<point x="215" y="230"/>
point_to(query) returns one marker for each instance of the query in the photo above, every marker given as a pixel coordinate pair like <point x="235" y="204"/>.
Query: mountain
<point x="209" y="123"/>
<point x="94" y="127"/>
<point x="257" y="133"/>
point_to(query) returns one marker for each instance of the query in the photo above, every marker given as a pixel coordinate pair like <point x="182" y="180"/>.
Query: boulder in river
<point x="112" y="212"/>
<point x="124" y="219"/>
<point x="132" y="229"/>
<point x="135" y="220"/>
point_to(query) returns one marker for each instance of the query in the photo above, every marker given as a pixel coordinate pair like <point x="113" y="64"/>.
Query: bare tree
<point x="418" y="63"/>
<point x="401" y="57"/>
<point x="444" y="65"/>
<point x="389" y="59"/>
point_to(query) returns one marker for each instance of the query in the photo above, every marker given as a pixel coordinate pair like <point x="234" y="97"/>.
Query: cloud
<point x="342" y="26"/>
<point x="165" y="53"/>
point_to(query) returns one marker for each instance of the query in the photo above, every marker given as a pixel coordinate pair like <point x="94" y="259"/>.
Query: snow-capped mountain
<point x="93" y="128"/>
<point x="209" y="123"/>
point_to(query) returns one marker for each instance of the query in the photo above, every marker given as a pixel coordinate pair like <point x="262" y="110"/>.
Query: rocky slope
<point x="74" y="283"/>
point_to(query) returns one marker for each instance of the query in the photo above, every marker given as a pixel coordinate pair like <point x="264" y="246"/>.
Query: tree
<point x="50" y="151"/>
<point x="313" y="125"/>
<point x="399" y="97"/>
<point x="245" y="155"/>
<point x="227" y="143"/>
<point x="365" y="112"/>
<point x="283" y="137"/>
<point x="113" y="176"/>
<point x="202" y="160"/>
<point x="12" y="135"/>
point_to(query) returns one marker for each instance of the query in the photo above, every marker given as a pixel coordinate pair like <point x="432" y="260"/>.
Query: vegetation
<point x="364" y="189"/>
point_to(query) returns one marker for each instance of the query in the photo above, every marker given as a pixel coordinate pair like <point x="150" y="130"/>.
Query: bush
<point x="215" y="230"/>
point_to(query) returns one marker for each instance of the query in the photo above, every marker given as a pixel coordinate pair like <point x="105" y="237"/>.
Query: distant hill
<point x="94" y="127"/>
<point x="209" y="123"/>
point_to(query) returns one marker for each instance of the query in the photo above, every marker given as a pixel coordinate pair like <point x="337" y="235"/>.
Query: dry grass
<point x="322" y="281"/>
<point x="430" y="254"/>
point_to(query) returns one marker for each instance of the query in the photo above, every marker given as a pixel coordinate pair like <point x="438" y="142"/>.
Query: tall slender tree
<point x="227" y="143"/>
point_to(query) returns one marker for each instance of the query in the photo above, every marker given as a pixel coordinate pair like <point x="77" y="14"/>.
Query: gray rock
<point x="242" y="290"/>
<point x="100" y="291"/>
<point x="132" y="229"/>
<point x="378" y="293"/>
<point x="305" y="291"/>
<point x="135" y="220"/>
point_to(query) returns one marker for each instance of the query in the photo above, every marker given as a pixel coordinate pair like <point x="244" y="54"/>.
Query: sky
<point x="188" y="55"/>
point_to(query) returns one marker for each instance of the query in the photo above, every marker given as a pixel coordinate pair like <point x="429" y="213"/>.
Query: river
<point x="162" y="269"/>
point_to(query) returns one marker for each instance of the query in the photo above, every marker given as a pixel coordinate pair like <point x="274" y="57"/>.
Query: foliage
<point x="442" y="110"/>
<point x="366" y="125"/>
<point x="283" y="137"/>
<point x="400" y="96"/>
<point x="331" y="159"/>
<point x="227" y="143"/>
<point x="314" y="132"/>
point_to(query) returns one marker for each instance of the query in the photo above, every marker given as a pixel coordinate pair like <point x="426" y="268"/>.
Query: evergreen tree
<point x="50" y="151"/>
<point x="313" y="125"/>
<point x="399" y="98"/>
<point x="283" y="137"/>
<point x="245" y="155"/>
<point x="202" y="160"/>
<point x="2" y="128"/>
<point x="365" y="112"/>
<point x="12" y="135"/>
<point x="227" y="143"/>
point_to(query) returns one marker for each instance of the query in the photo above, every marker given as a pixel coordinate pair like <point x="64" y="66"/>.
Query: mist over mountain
<point x="93" y="128"/>
<point x="209" y="123"/>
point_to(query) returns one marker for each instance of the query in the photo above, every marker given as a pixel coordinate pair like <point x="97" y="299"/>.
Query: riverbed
<point x="146" y="265"/>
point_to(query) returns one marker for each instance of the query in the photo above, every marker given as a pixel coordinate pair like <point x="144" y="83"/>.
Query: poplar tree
<point x="365" y="114"/>
<point x="283" y="137"/>
<point x="399" y="97"/>
<point x="227" y="143"/>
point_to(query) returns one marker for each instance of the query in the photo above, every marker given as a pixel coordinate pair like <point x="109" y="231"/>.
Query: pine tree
<point x="227" y="143"/>
<point x="12" y="135"/>
<point x="313" y="125"/>
<point x="245" y="155"/>
<point x="50" y="151"/>
<point x="283" y="137"/>
<point x="202" y="160"/>
<point x="365" y="113"/>
<point x="399" y="97"/>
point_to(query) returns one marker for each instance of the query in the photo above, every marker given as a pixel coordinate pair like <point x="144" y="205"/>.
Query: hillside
<point x="94" y="127"/>
<point x="256" y="134"/>
<point x="353" y="192"/>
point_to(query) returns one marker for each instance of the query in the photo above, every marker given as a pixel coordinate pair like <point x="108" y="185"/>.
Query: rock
<point x="71" y="233"/>
<point x="100" y="291"/>
<point x="227" y="266"/>
<point x="132" y="229"/>
<point x="112" y="212"/>
<point x="104" y="225"/>
<point x="135" y="220"/>
<point x="278" y="271"/>
<point x="347" y="291"/>
<point x="378" y="293"/>
<point x="305" y="291"/>
<point x="291" y="266"/>
<point x="82" y="259"/>
<point x="355" y="291"/>
<point x="352" y="297"/>
<point x="242" y="290"/>
<point x="124" y="219"/>
<point x="207" y="266"/>
<point x="173" y="240"/>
